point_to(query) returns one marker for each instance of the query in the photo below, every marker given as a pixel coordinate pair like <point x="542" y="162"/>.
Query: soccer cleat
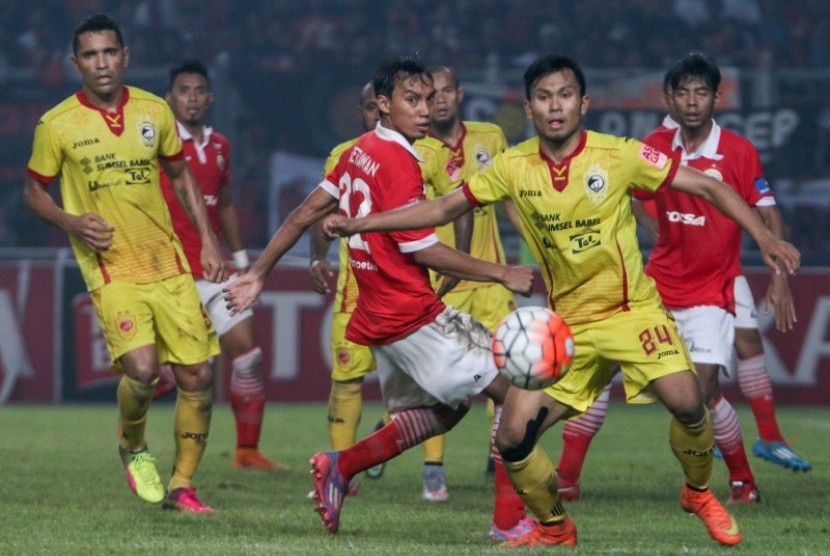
<point x="185" y="500"/>
<point x="330" y="488"/>
<point x="779" y="453"/>
<point x="142" y="475"/>
<point x="568" y="491"/>
<point x="252" y="458"/>
<point x="503" y="535"/>
<point x="435" y="488"/>
<point x="721" y="525"/>
<point x="561" y="533"/>
<point x="743" y="492"/>
<point x="376" y="471"/>
<point x="354" y="488"/>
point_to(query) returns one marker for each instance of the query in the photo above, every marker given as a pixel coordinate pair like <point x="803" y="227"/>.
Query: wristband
<point x="240" y="259"/>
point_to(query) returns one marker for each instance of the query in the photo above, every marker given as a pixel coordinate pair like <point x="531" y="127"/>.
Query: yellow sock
<point x="134" y="399"/>
<point x="491" y="412"/>
<point x="345" y="409"/>
<point x="387" y="418"/>
<point x="434" y="449"/>
<point x="192" y="425"/>
<point x="694" y="447"/>
<point x="535" y="480"/>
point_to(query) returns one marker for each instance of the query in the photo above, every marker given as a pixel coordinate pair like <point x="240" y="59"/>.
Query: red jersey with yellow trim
<point x="577" y="220"/>
<point x="210" y="164"/>
<point x="697" y="255"/>
<point x="108" y="163"/>
<point x="380" y="172"/>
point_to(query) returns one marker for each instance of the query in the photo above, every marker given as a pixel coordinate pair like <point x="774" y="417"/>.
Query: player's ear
<point x="126" y="56"/>
<point x="383" y="104"/>
<point x="460" y="95"/>
<point x="210" y="98"/>
<point x="586" y="101"/>
<point x="717" y="97"/>
<point x="526" y="107"/>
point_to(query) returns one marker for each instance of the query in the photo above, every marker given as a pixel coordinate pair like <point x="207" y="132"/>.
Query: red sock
<point x="756" y="387"/>
<point x="730" y="441"/>
<point x="577" y="436"/>
<point x="247" y="394"/>
<point x="508" y="507"/>
<point x="408" y="428"/>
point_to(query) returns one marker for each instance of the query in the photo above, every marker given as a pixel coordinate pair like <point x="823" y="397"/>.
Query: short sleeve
<point x="169" y="143"/>
<point x="490" y="185"/>
<point x="47" y="155"/>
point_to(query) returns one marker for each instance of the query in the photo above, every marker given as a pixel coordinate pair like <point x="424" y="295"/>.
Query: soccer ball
<point x="533" y="347"/>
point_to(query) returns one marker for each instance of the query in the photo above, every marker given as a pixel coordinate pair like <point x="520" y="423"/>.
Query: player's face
<point x="369" y="110"/>
<point x="408" y="110"/>
<point x="556" y="107"/>
<point x="101" y="61"/>
<point x="190" y="98"/>
<point x="692" y="103"/>
<point x="448" y="97"/>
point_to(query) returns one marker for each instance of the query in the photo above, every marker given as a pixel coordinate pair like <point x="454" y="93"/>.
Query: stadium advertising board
<point x="51" y="348"/>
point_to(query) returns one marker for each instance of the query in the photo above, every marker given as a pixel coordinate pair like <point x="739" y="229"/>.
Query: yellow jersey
<point x="445" y="167"/>
<point x="577" y="219"/>
<point x="108" y="165"/>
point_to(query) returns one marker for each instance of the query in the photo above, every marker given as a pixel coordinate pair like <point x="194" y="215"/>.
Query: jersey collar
<point x="388" y="134"/>
<point x="113" y="118"/>
<point x="708" y="149"/>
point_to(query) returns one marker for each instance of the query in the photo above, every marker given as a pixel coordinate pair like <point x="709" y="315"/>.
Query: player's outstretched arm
<point x="90" y="228"/>
<point x="192" y="200"/>
<point x="411" y="217"/>
<point x="778" y="254"/>
<point x="453" y="262"/>
<point x="242" y="293"/>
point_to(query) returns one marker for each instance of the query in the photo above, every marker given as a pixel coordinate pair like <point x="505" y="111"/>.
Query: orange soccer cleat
<point x="721" y="525"/>
<point x="252" y="458"/>
<point x="562" y="533"/>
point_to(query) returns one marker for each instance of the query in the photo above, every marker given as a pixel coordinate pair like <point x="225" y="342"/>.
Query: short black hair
<point x="694" y="64"/>
<point x="190" y="65"/>
<point x="394" y="71"/>
<point x="552" y="63"/>
<point x="96" y="24"/>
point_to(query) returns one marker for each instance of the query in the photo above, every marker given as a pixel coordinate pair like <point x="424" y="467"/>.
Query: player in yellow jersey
<point x="351" y="362"/>
<point x="572" y="191"/>
<point x="106" y="143"/>
<point x="453" y="152"/>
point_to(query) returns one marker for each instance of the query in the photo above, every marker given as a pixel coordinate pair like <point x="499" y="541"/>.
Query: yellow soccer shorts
<point x="488" y="304"/>
<point x="644" y="341"/>
<point x="168" y="313"/>
<point x="351" y="361"/>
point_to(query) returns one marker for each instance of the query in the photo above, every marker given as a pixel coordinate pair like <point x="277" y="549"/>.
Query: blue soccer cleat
<point x="329" y="488"/>
<point x="780" y="454"/>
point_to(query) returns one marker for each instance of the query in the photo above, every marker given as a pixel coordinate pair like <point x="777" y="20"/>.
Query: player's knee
<point x="689" y="416"/>
<point x="516" y="444"/>
<point x="448" y="417"/>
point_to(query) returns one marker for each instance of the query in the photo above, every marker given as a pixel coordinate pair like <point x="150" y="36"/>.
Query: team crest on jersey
<point x="714" y="172"/>
<point x="596" y="184"/>
<point x="220" y="161"/>
<point x="126" y="325"/>
<point x="482" y="157"/>
<point x="147" y="131"/>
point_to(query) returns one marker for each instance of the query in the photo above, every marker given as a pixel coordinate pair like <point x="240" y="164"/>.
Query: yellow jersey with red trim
<point x="577" y="219"/>
<point x="445" y="167"/>
<point x="345" y="298"/>
<point x="108" y="164"/>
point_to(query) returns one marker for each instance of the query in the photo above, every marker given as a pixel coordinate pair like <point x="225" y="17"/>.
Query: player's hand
<point x="321" y="273"/>
<point x="242" y="292"/>
<point x="780" y="299"/>
<point x="93" y="230"/>
<point x="780" y="256"/>
<point x="335" y="226"/>
<point x="214" y="267"/>
<point x="519" y="279"/>
<point x="447" y="285"/>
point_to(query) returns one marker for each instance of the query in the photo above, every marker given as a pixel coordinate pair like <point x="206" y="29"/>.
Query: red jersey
<point x="379" y="173"/>
<point x="210" y="164"/>
<point x="697" y="256"/>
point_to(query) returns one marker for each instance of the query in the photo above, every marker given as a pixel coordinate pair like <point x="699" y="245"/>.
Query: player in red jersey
<point x="736" y="160"/>
<point x="431" y="358"/>
<point x="572" y="189"/>
<point x="208" y="156"/>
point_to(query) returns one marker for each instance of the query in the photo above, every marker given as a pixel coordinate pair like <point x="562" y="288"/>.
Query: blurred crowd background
<point x="286" y="76"/>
